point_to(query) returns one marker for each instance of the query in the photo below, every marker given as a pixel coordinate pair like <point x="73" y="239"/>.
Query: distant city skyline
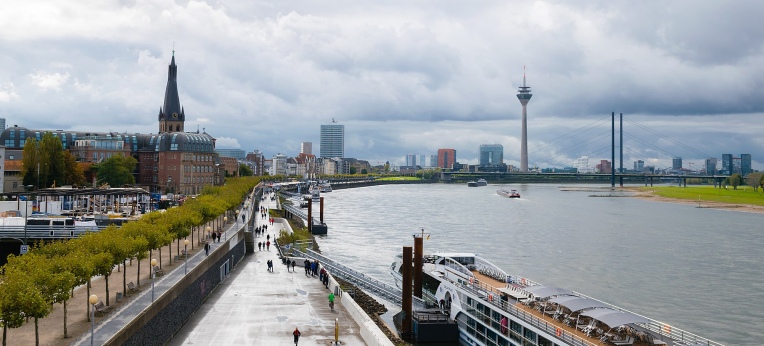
<point x="404" y="78"/>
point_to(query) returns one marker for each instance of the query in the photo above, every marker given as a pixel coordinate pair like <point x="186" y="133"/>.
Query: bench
<point x="131" y="286"/>
<point x="100" y="307"/>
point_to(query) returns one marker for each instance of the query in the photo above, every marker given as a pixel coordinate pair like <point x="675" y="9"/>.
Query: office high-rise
<point x="491" y="154"/>
<point x="332" y="141"/>
<point x="745" y="164"/>
<point x="676" y="163"/>
<point x="446" y="158"/>
<point x="306" y="148"/>
<point x="711" y="165"/>
<point x="411" y="160"/>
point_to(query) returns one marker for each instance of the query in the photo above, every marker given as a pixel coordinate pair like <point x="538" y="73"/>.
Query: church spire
<point x="171" y="117"/>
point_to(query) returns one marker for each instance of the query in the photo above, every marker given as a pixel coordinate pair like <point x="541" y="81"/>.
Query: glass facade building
<point x="491" y="154"/>
<point x="332" y="141"/>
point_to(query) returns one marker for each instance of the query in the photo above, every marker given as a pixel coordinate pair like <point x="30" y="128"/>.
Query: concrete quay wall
<point x="161" y="320"/>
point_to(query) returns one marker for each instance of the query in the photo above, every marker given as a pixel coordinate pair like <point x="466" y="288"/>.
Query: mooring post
<point x="406" y="292"/>
<point x="418" y="266"/>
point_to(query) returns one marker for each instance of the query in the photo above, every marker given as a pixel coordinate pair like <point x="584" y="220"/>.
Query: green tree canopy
<point x="735" y="180"/>
<point x="116" y="171"/>
<point x="245" y="171"/>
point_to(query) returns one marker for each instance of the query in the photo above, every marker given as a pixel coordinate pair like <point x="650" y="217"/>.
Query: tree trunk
<point x="66" y="334"/>
<point x="87" y="302"/>
<point x="36" y="333"/>
<point x="160" y="258"/>
<point x="124" y="280"/>
<point x="5" y="333"/>
<point x="106" y="277"/>
<point x="138" y="278"/>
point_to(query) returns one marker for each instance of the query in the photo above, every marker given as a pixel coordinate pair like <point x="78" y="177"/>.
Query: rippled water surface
<point x="698" y="269"/>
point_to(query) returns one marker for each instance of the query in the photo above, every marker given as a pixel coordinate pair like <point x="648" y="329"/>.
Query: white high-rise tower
<point x="524" y="95"/>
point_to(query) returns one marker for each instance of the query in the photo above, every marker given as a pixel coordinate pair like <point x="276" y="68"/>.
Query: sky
<point x="404" y="77"/>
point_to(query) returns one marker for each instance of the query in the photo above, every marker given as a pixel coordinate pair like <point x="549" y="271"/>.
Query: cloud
<point x="46" y="81"/>
<point x="404" y="77"/>
<point x="227" y="142"/>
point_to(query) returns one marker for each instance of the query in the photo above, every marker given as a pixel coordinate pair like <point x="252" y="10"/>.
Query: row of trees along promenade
<point x="48" y="274"/>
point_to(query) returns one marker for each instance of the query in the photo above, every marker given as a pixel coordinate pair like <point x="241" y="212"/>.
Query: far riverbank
<point x="651" y="196"/>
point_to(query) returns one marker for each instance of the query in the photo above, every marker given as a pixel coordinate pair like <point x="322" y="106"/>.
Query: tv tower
<point x="524" y="95"/>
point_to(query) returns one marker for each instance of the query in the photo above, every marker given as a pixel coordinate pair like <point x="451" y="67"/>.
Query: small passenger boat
<point x="472" y="183"/>
<point x="482" y="182"/>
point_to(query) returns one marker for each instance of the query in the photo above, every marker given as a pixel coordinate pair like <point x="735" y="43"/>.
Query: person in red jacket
<point x="296" y="334"/>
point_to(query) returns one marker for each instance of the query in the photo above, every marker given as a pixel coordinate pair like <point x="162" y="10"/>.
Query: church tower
<point x="171" y="115"/>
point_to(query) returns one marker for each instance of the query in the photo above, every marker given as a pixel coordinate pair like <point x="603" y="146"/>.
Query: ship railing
<point x="487" y="268"/>
<point x="489" y="294"/>
<point x="663" y="330"/>
<point x="458" y="267"/>
<point x="355" y="277"/>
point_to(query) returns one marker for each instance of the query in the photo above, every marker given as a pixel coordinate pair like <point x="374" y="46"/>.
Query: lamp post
<point x="93" y="299"/>
<point x="209" y="230"/>
<point x="185" y="249"/>
<point x="225" y="221"/>
<point x="237" y="217"/>
<point x="153" y="273"/>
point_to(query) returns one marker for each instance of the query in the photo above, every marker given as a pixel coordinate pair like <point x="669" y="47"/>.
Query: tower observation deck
<point x="524" y="95"/>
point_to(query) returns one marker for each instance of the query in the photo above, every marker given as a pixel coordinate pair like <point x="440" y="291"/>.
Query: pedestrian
<point x="287" y="264"/>
<point x="321" y="275"/>
<point x="243" y="217"/>
<point x="331" y="301"/>
<point x="306" y="264"/>
<point x="292" y="266"/>
<point x="296" y="334"/>
<point x="206" y="249"/>
<point x="259" y="246"/>
<point x="268" y="245"/>
<point x="326" y="280"/>
<point x="219" y="233"/>
<point x="268" y="237"/>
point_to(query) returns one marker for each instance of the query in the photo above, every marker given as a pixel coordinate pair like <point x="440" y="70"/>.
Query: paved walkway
<point x="255" y="307"/>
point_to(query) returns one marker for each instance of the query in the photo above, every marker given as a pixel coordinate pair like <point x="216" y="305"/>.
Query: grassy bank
<point x="743" y="194"/>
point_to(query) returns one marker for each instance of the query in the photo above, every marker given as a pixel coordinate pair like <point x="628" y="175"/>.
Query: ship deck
<point x="549" y="318"/>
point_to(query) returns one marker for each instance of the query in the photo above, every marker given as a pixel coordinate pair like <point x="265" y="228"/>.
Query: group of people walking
<point x="264" y="245"/>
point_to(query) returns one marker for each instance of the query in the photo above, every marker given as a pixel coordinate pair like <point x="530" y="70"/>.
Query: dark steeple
<point x="171" y="99"/>
<point x="171" y="115"/>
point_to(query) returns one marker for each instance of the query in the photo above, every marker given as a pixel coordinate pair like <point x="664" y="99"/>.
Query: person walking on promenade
<point x="326" y="280"/>
<point x="287" y="264"/>
<point x="331" y="301"/>
<point x="296" y="334"/>
<point x="259" y="246"/>
<point x="306" y="264"/>
<point x="268" y="245"/>
<point x="206" y="249"/>
<point x="219" y="233"/>
<point x="268" y="237"/>
<point x="292" y="266"/>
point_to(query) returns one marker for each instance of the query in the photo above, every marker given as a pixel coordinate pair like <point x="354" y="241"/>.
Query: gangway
<point x="373" y="286"/>
<point x="299" y="213"/>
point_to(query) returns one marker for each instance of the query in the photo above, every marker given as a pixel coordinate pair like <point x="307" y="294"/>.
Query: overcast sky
<point x="404" y="77"/>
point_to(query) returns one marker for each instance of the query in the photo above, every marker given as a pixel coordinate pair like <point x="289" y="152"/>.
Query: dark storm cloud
<point x="405" y="78"/>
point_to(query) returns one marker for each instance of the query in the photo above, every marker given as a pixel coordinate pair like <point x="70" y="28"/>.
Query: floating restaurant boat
<point x="491" y="307"/>
<point x="508" y="193"/>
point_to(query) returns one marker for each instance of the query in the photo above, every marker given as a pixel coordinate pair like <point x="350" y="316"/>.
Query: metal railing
<point x="373" y="286"/>
<point x="47" y="232"/>
<point x="299" y="213"/>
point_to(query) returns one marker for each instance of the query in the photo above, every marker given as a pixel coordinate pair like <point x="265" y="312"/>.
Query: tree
<point x="116" y="171"/>
<point x="245" y="171"/>
<point x="29" y="162"/>
<point x="753" y="179"/>
<point x="364" y="171"/>
<point x="74" y="174"/>
<point x="735" y="180"/>
<point x="52" y="163"/>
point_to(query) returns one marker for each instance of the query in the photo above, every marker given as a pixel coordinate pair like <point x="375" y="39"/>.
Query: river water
<point x="698" y="269"/>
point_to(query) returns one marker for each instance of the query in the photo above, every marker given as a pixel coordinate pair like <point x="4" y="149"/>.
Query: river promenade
<point x="255" y="307"/>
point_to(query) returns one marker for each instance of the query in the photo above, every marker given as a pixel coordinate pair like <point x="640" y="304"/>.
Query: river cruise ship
<point x="494" y="308"/>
